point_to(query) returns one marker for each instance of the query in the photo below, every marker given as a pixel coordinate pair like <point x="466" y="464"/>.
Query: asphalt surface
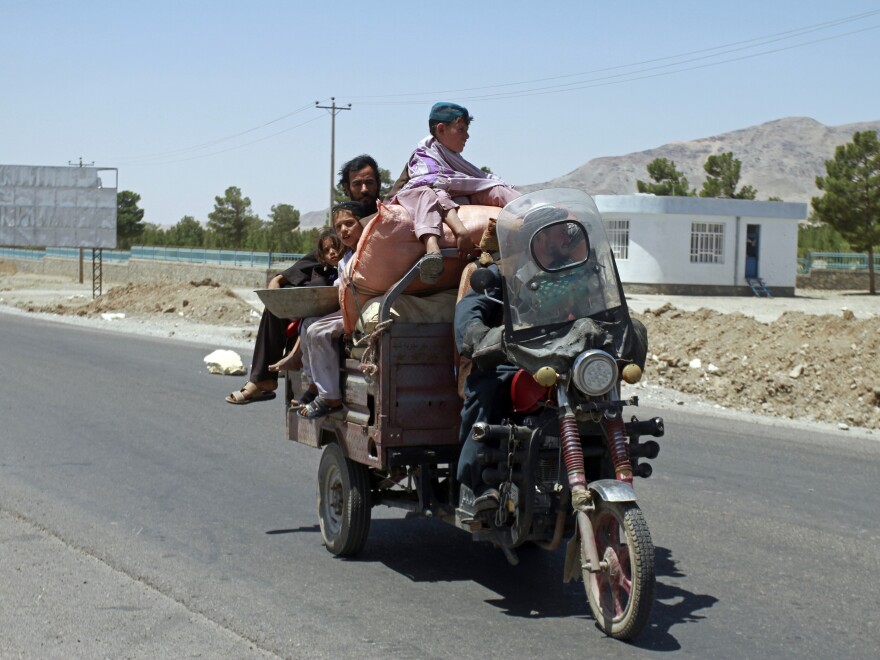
<point x="142" y="516"/>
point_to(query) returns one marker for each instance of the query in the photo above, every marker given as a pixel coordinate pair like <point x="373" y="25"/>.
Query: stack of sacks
<point x="433" y="308"/>
<point x="389" y="248"/>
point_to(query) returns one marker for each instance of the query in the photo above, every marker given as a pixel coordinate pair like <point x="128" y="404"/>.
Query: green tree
<point x="232" y="219"/>
<point x="304" y="241"/>
<point x="210" y="239"/>
<point x="283" y="221"/>
<point x="723" y="178"/>
<point x="851" y="203"/>
<point x="339" y="195"/>
<point x="129" y="219"/>
<point x="153" y="234"/>
<point x="819" y="237"/>
<point x="385" y="182"/>
<point x="259" y="238"/>
<point x="668" y="181"/>
<point x="188" y="232"/>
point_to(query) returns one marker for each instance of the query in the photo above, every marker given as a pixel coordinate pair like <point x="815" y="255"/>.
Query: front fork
<point x="573" y="457"/>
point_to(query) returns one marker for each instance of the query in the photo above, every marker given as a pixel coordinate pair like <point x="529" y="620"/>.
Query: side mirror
<point x="484" y="280"/>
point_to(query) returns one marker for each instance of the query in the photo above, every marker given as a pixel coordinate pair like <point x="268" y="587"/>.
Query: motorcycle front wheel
<point x="621" y="594"/>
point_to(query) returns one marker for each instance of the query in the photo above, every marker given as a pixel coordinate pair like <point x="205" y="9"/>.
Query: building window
<point x="618" y="236"/>
<point x="707" y="243"/>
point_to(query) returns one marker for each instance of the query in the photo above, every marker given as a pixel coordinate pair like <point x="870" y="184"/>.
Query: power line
<point x="631" y="77"/>
<point x="710" y="52"/>
<point x="204" y="145"/>
<point x="223" y="151"/>
<point x="641" y="70"/>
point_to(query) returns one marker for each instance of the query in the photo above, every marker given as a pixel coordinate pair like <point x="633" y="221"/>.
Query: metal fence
<point x="22" y="253"/>
<point x="185" y="255"/>
<point x="116" y="256"/>
<point x="220" y="257"/>
<point x="850" y="261"/>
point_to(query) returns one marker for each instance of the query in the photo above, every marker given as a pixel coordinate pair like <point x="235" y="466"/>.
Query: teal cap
<point x="446" y="112"/>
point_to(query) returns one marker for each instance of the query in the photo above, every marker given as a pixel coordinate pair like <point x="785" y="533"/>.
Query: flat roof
<point x="658" y="205"/>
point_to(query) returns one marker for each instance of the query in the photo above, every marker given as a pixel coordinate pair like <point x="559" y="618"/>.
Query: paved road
<point x="142" y="516"/>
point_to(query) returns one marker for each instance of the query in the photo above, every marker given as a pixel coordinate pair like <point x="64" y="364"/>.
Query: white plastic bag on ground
<point x="227" y="363"/>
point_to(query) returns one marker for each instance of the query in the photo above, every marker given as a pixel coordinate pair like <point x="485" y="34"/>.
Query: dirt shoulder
<point x="198" y="311"/>
<point x="807" y="358"/>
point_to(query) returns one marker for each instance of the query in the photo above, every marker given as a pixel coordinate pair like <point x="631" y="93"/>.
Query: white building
<point x="702" y="246"/>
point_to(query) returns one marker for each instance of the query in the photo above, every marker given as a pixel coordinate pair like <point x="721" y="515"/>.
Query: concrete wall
<point x="837" y="280"/>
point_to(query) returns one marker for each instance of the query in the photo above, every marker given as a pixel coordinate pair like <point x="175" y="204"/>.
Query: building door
<point x="753" y="239"/>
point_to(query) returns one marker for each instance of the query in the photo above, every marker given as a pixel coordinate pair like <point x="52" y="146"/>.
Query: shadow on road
<point x="431" y="551"/>
<point x="673" y="605"/>
<point x="311" y="529"/>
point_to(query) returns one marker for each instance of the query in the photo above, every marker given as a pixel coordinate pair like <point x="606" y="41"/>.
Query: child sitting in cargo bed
<point x="315" y="269"/>
<point x="440" y="179"/>
<point x="317" y="350"/>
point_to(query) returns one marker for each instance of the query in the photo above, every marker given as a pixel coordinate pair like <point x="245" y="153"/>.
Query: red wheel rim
<point x="615" y="583"/>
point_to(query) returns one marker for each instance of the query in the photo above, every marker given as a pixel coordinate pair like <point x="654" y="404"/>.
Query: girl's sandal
<point x="305" y="399"/>
<point x="318" y="408"/>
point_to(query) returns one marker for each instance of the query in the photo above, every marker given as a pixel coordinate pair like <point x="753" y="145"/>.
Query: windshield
<point x="556" y="261"/>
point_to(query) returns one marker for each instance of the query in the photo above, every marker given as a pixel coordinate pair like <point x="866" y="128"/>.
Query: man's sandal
<point x="249" y="393"/>
<point x="318" y="408"/>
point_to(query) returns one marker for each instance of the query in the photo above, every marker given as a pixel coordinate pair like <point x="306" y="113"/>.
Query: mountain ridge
<point x="780" y="158"/>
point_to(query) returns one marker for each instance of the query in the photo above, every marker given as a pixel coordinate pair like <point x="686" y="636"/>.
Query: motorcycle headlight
<point x="594" y="372"/>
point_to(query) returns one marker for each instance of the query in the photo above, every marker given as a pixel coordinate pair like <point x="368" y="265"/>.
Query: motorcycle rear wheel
<point x="621" y="594"/>
<point x="343" y="502"/>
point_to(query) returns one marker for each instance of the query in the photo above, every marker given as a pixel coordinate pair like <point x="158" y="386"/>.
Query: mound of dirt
<point x="802" y="366"/>
<point x="799" y="366"/>
<point x="203" y="302"/>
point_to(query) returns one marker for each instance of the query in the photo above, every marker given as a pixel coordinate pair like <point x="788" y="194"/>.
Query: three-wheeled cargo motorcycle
<point x="563" y="458"/>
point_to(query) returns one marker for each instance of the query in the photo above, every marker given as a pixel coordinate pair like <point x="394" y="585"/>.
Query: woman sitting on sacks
<point x="317" y="349"/>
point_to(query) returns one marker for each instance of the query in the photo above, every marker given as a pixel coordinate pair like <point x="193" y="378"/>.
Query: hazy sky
<point x="187" y="98"/>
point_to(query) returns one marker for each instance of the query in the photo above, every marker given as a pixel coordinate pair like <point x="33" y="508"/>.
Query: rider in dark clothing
<point x="486" y="390"/>
<point x="478" y="324"/>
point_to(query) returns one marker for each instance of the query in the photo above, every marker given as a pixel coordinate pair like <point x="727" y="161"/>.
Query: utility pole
<point x="334" y="110"/>
<point x="80" y="164"/>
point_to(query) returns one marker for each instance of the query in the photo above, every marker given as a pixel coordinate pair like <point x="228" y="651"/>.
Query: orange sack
<point x="389" y="247"/>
